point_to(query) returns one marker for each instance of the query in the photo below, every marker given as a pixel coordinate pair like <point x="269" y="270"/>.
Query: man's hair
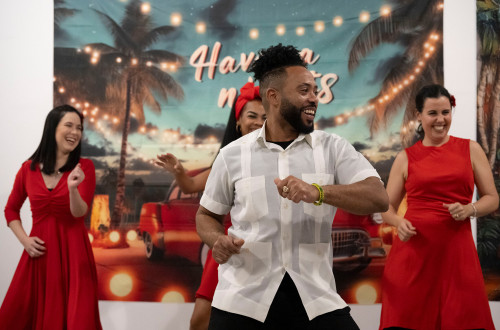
<point x="273" y="61"/>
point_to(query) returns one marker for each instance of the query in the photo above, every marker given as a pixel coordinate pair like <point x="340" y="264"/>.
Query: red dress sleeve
<point x="87" y="187"/>
<point x="17" y="195"/>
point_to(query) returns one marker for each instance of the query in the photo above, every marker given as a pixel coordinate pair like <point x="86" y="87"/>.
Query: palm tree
<point x="409" y="24"/>
<point x="135" y="78"/>
<point x="60" y="13"/>
<point x="488" y="91"/>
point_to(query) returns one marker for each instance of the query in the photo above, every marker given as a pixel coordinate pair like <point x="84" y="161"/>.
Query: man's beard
<point x="293" y="115"/>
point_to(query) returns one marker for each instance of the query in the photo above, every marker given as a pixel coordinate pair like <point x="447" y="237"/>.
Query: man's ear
<point x="273" y="96"/>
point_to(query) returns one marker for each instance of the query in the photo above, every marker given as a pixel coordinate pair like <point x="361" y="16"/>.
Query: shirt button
<point x="285" y="205"/>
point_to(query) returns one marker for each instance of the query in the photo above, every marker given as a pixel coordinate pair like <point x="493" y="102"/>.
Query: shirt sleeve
<point x="351" y="166"/>
<point x="219" y="190"/>
<point x="17" y="196"/>
<point x="87" y="187"/>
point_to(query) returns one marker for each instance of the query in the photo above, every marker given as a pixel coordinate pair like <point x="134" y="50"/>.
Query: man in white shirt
<point x="282" y="185"/>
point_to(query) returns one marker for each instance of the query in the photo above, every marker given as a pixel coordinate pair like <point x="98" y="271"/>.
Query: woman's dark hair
<point x="45" y="154"/>
<point x="430" y="91"/>
<point x="434" y="91"/>
<point x="231" y="133"/>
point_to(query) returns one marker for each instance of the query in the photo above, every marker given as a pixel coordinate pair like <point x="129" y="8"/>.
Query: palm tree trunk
<point x="481" y="91"/>
<point x="495" y="118"/>
<point x="120" y="185"/>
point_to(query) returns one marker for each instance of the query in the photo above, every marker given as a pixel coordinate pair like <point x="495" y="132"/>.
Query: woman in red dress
<point x="432" y="278"/>
<point x="247" y="115"/>
<point x="55" y="284"/>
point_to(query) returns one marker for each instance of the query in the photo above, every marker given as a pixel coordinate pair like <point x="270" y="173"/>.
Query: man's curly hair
<point x="273" y="61"/>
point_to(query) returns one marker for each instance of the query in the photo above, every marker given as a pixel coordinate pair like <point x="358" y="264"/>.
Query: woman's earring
<point x="238" y="128"/>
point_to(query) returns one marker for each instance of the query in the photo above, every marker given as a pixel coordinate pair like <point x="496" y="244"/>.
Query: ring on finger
<point x="285" y="189"/>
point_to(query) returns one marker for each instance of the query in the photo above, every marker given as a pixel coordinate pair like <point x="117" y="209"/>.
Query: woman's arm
<point x="483" y="178"/>
<point x="32" y="245"/>
<point x="396" y="191"/>
<point x="187" y="184"/>
<point x="77" y="205"/>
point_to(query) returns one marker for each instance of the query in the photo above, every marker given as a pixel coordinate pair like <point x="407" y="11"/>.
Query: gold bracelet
<point x="475" y="210"/>
<point x="321" y="194"/>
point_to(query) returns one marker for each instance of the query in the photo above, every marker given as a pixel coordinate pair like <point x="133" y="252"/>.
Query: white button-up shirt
<point x="280" y="236"/>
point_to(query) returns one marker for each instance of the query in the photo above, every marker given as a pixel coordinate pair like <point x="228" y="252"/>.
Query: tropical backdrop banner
<point x="488" y="123"/>
<point x="161" y="76"/>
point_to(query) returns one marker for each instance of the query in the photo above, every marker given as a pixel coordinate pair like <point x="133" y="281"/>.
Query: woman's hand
<point x="170" y="163"/>
<point x="406" y="230"/>
<point x="34" y="246"/>
<point x="459" y="211"/>
<point x="75" y="177"/>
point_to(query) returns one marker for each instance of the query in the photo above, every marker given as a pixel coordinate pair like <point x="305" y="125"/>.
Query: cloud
<point x="203" y="132"/>
<point x="359" y="146"/>
<point x="91" y="150"/>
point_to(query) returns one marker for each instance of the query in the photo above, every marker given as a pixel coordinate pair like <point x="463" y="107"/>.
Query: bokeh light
<point x="121" y="284"/>
<point x="114" y="236"/>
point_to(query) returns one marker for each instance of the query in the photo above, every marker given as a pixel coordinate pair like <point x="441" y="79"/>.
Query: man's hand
<point x="296" y="190"/>
<point x="224" y="247"/>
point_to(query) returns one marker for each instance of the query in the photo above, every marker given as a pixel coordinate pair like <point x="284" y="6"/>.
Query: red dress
<point x="434" y="280"/>
<point x="59" y="289"/>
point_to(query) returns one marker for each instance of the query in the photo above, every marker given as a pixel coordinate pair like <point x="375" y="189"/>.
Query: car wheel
<point x="351" y="266"/>
<point x="203" y="254"/>
<point x="152" y="252"/>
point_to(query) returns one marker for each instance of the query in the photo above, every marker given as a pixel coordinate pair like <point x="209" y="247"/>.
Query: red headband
<point x="248" y="92"/>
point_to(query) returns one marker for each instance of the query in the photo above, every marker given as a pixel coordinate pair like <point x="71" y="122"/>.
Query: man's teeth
<point x="309" y="112"/>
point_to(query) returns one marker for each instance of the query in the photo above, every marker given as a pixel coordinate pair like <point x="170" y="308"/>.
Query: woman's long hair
<point x="231" y="133"/>
<point x="45" y="154"/>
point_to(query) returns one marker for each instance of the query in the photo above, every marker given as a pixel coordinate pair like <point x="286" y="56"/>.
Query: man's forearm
<point x="209" y="226"/>
<point x="364" y="197"/>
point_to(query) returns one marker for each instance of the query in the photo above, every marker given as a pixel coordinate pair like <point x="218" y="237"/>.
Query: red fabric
<point x="209" y="279"/>
<point x="248" y="92"/>
<point x="434" y="280"/>
<point x="59" y="289"/>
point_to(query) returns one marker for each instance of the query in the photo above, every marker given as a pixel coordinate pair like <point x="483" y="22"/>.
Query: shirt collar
<point x="261" y="138"/>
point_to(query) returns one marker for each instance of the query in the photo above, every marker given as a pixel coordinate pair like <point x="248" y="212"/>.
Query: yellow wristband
<point x="321" y="194"/>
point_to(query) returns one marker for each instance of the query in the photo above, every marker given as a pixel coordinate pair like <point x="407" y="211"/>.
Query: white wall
<point x="26" y="96"/>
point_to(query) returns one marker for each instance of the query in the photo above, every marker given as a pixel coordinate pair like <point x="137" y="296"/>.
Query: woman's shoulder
<point x="86" y="163"/>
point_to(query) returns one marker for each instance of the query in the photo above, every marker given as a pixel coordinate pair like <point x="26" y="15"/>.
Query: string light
<point x="319" y="26"/>
<point x="254" y="34"/>
<point x="364" y="16"/>
<point x="385" y="10"/>
<point x="280" y="29"/>
<point x="337" y="21"/>
<point x="300" y="30"/>
<point x="146" y="8"/>
<point x="175" y="19"/>
<point x="201" y="27"/>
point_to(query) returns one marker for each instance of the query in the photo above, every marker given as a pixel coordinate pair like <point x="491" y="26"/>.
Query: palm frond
<point x="158" y="56"/>
<point x="152" y="36"/>
<point x="122" y="40"/>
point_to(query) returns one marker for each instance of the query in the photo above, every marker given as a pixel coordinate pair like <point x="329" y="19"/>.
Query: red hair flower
<point x="452" y="101"/>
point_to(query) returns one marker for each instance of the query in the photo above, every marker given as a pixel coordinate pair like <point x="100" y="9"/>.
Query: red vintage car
<point x="356" y="239"/>
<point x="169" y="228"/>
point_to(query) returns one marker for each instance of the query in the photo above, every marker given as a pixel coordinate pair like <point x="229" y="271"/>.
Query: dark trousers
<point x="286" y="312"/>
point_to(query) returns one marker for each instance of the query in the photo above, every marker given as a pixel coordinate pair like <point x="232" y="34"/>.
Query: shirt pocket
<point x="250" y="266"/>
<point x="315" y="263"/>
<point x="252" y="197"/>
<point x="321" y="179"/>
